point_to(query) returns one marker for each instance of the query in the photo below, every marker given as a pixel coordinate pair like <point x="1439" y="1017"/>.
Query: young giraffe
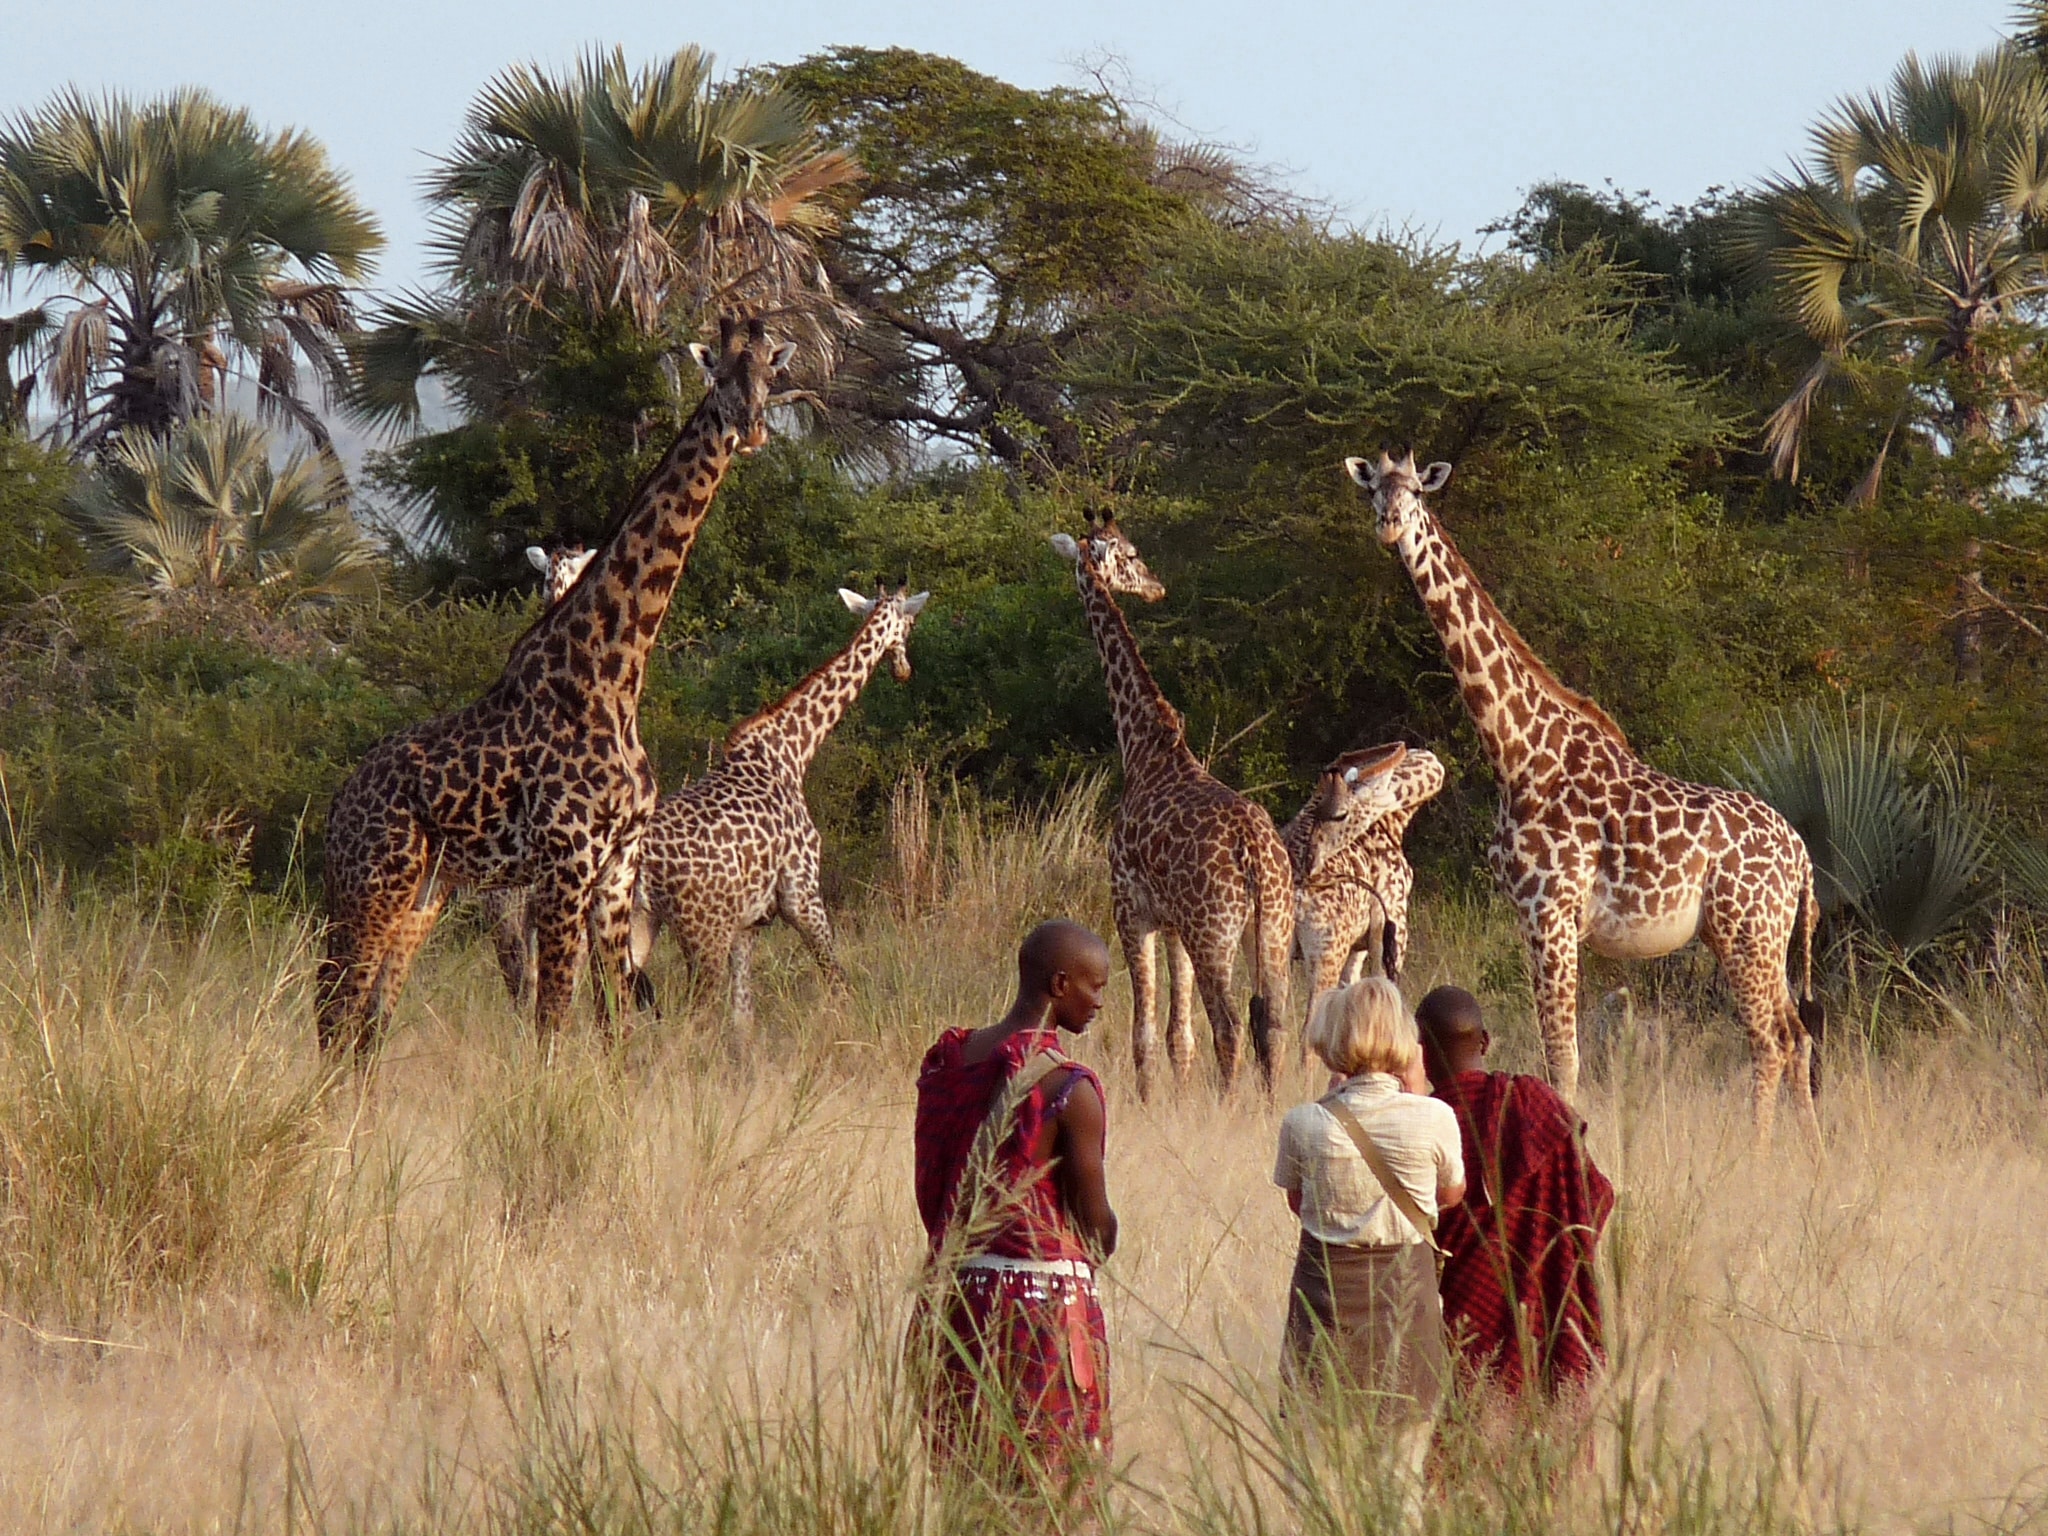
<point x="1593" y="845"/>
<point x="730" y="852"/>
<point x="543" y="781"/>
<point x="505" y="908"/>
<point x="1186" y="855"/>
<point x="1351" y="878"/>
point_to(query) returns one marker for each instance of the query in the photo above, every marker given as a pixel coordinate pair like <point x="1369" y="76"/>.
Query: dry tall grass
<point x="660" y="1289"/>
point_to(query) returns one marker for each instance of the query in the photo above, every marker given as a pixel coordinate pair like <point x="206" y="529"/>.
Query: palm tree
<point x="187" y="241"/>
<point x="203" y="512"/>
<point x="657" y="191"/>
<point x="1913" y="248"/>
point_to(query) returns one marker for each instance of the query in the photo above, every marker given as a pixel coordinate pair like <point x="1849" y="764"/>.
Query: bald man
<point x="1521" y="1302"/>
<point x="1010" y="1139"/>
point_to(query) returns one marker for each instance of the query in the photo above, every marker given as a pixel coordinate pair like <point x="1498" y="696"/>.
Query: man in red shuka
<point x="1520" y="1299"/>
<point x="1010" y="1138"/>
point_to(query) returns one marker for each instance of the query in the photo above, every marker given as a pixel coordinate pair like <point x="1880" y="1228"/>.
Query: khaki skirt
<point x="1371" y="1315"/>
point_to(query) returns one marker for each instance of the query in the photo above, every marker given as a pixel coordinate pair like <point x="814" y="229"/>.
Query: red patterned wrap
<point x="1521" y="1301"/>
<point x="1035" y="1338"/>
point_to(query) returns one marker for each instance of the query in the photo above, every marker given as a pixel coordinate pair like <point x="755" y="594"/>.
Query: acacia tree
<point x="1913" y="249"/>
<point x="994" y="223"/>
<point x="187" y="242"/>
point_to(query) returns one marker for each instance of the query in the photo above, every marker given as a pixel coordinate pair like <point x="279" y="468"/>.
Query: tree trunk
<point x="1968" y="638"/>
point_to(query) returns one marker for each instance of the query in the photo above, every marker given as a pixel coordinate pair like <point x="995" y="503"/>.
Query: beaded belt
<point x="1076" y="1269"/>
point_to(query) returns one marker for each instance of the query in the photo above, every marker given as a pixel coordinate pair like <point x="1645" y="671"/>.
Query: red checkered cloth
<point x="1520" y="1297"/>
<point x="1033" y="1341"/>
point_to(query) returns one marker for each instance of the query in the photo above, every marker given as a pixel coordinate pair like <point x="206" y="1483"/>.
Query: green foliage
<point x="1898" y="837"/>
<point x="186" y="234"/>
<point x="551" y="458"/>
<point x="1255" y="360"/>
<point x="38" y="548"/>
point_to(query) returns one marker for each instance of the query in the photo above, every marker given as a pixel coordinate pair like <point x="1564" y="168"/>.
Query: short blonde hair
<point x="1364" y="1027"/>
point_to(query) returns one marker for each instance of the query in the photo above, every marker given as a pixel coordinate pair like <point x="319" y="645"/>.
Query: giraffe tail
<point x="1269" y="882"/>
<point x="1813" y="1015"/>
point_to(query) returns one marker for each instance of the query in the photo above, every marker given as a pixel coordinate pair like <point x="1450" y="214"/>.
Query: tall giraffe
<point x="1593" y="845"/>
<point x="737" y="848"/>
<point x="1352" y="878"/>
<point x="1186" y="854"/>
<point x="505" y="908"/>
<point x="543" y="781"/>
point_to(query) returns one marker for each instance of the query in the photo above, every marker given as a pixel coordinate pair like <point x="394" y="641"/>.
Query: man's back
<point x="1519" y="1290"/>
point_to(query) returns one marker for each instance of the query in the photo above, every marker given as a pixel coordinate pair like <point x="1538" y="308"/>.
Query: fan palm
<point x="658" y="191"/>
<point x="204" y="510"/>
<point x="1913" y="249"/>
<point x="1898" y="836"/>
<point x="188" y="240"/>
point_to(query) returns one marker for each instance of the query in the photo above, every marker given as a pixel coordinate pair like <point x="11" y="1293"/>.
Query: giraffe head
<point x="1353" y="794"/>
<point x="892" y="614"/>
<point x="559" y="571"/>
<point x="740" y="376"/>
<point x="1107" y="550"/>
<point x="1397" y="488"/>
<point x="1359" y="785"/>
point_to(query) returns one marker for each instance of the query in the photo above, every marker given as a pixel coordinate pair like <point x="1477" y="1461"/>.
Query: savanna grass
<point x="661" y="1284"/>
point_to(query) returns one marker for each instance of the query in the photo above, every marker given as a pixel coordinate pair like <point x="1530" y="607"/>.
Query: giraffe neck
<point x="1148" y="729"/>
<point x="795" y="728"/>
<point x="602" y="632"/>
<point x="1515" y="705"/>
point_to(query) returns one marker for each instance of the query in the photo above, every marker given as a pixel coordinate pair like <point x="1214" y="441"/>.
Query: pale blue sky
<point x="1431" y="115"/>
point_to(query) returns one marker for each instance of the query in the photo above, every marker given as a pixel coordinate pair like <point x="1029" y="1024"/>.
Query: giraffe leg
<point x="373" y="885"/>
<point x="512" y="941"/>
<point x="1554" y="957"/>
<point x="1180" y="1007"/>
<point x="407" y="936"/>
<point x="1772" y="1024"/>
<point x="1212" y="980"/>
<point x="797" y="899"/>
<point x="562" y="931"/>
<point x="1354" y="963"/>
<point x="613" y="978"/>
<point x="1140" y="957"/>
<point x="739" y="970"/>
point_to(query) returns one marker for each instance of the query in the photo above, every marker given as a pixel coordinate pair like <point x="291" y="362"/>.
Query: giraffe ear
<point x="855" y="603"/>
<point x="913" y="606"/>
<point x="1068" y="549"/>
<point x="783" y="356"/>
<point x="707" y="360"/>
<point x="1362" y="472"/>
<point x="537" y="558"/>
<point x="1436" y="477"/>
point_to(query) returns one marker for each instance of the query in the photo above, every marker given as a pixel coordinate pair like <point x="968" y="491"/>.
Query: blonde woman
<point x="1363" y="1301"/>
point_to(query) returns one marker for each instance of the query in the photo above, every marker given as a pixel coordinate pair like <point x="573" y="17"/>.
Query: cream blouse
<point x="1341" y="1201"/>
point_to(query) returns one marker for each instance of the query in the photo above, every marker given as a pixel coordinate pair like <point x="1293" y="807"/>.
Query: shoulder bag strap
<point x="1396" y="1190"/>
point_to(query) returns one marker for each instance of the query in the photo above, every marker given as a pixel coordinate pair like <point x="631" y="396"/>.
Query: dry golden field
<point x="659" y="1289"/>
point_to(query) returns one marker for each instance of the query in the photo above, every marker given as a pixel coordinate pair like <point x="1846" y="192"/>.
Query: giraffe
<point x="1186" y="854"/>
<point x="1593" y="845"/>
<point x="1351" y="878"/>
<point x="543" y="781"/>
<point x="734" y="850"/>
<point x="505" y="908"/>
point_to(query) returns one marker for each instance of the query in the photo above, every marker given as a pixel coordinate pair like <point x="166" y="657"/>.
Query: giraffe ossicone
<point x="738" y="848"/>
<point x="542" y="782"/>
<point x="1591" y="844"/>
